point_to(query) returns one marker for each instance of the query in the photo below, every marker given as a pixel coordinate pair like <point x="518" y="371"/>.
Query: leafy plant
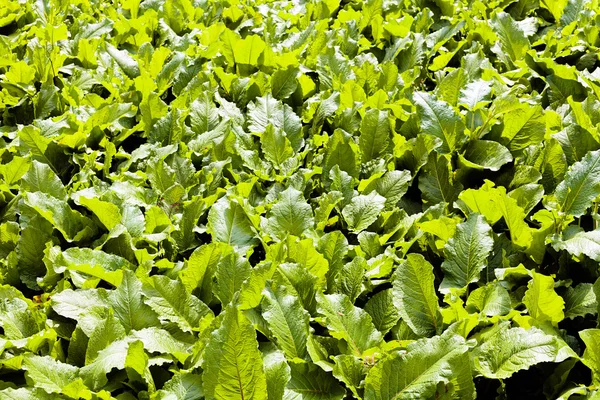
<point x="309" y="200"/>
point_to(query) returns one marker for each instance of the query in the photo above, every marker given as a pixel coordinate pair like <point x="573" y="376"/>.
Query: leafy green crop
<point x="299" y="200"/>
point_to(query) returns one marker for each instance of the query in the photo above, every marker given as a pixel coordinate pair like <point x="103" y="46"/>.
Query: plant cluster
<point x="299" y="200"/>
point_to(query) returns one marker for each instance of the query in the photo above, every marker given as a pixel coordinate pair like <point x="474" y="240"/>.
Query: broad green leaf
<point x="248" y="50"/>
<point x="417" y="371"/>
<point x="204" y="116"/>
<point x="576" y="142"/>
<point x="72" y="224"/>
<point x="440" y="120"/>
<point x="523" y="126"/>
<point x="349" y="323"/>
<point x="350" y="370"/>
<point x="183" y="386"/>
<point x="363" y="211"/>
<point x="572" y="11"/>
<point x="466" y="253"/>
<point x="233" y="366"/>
<point x="382" y="310"/>
<point x="581" y="185"/>
<point x="491" y="299"/>
<point x="580" y="301"/>
<point x="393" y="185"/>
<point x="342" y="151"/>
<point x="493" y="204"/>
<point x="287" y="320"/>
<point x="41" y="178"/>
<point x="515" y="349"/>
<point x="374" y="134"/>
<point x="170" y="301"/>
<point x="542" y="301"/>
<point x="474" y="93"/>
<point x="276" y="147"/>
<point x="108" y="213"/>
<point x="277" y="372"/>
<point x="114" y="356"/>
<point x="48" y="374"/>
<point x="310" y="382"/>
<point x="284" y="82"/>
<point x="513" y="42"/>
<point x="578" y="242"/>
<point x="156" y="340"/>
<point x="127" y="302"/>
<point x="486" y="154"/>
<point x="591" y="356"/>
<point x="437" y="182"/>
<point x="105" y="332"/>
<point x="228" y="223"/>
<point x="232" y="271"/>
<point x="414" y="295"/>
<point x="202" y="260"/>
<point x="290" y="215"/>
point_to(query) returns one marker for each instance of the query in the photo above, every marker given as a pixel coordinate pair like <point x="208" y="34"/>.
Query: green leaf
<point x="290" y="215"/>
<point x="41" y="178"/>
<point x="494" y="203"/>
<point x="349" y="323"/>
<point x="576" y="142"/>
<point x="515" y="349"/>
<point x="114" y="356"/>
<point x="491" y="299"/>
<point x="287" y="320"/>
<point x="204" y="116"/>
<point x="124" y="61"/>
<point x="572" y="11"/>
<point x="437" y="184"/>
<point x="128" y="305"/>
<point x="13" y="171"/>
<point x="48" y="374"/>
<point x="393" y="185"/>
<point x="248" y="50"/>
<point x="202" y="260"/>
<point x="414" y="295"/>
<point x="486" y="154"/>
<point x="523" y="126"/>
<point x="106" y="332"/>
<point x="542" y="301"/>
<point x="232" y="271"/>
<point x="580" y="301"/>
<point x="170" y="301"/>
<point x="70" y="223"/>
<point x="577" y="242"/>
<point x="440" y="120"/>
<point x="363" y="211"/>
<point x="108" y="214"/>
<point x="513" y="42"/>
<point x="276" y="147"/>
<point x="310" y="382"/>
<point x="183" y="386"/>
<point x="591" y="355"/>
<point x="382" y="310"/>
<point x="233" y="366"/>
<point x="342" y="151"/>
<point x="351" y="371"/>
<point x="466" y="253"/>
<point x="228" y="223"/>
<point x="277" y="372"/>
<point x="374" y="134"/>
<point x="418" y="370"/>
<point x="284" y="82"/>
<point x="581" y="185"/>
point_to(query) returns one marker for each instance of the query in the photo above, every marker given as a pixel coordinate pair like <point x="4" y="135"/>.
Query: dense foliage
<point x="310" y="200"/>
